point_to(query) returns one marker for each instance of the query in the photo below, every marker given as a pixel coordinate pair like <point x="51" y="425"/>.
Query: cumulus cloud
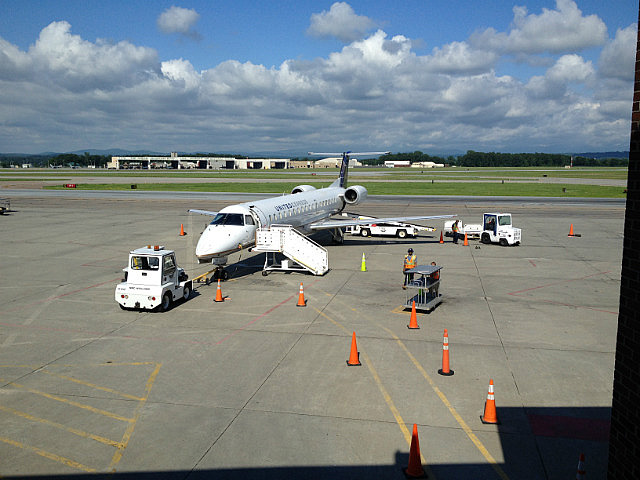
<point x="179" y="20"/>
<point x="66" y="60"/>
<point x="562" y="30"/>
<point x="617" y="59"/>
<point x="66" y="92"/>
<point x="569" y="69"/>
<point x="340" y="22"/>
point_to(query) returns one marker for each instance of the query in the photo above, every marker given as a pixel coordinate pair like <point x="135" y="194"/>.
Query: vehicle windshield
<point x="228" y="219"/>
<point x="504" y="220"/>
<point x="144" y="263"/>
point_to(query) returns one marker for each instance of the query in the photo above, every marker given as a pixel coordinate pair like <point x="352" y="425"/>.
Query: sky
<point x="441" y="77"/>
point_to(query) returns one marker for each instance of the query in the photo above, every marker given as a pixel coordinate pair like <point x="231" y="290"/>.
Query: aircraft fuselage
<point x="234" y="227"/>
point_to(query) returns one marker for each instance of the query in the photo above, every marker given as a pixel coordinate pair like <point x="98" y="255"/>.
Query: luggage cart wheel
<point x="265" y="273"/>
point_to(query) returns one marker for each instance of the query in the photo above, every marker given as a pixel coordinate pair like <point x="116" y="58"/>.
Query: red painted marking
<point x="531" y="262"/>
<point x="519" y="292"/>
<point x="557" y="283"/>
<point x="235" y="332"/>
<point x="132" y="337"/>
<point x="49" y="299"/>
<point x="593" y="429"/>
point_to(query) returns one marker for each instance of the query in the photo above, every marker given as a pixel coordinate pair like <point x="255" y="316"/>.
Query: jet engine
<point x="355" y="194"/>
<point x="302" y="188"/>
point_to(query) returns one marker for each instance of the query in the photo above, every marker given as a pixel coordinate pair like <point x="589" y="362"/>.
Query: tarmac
<point x="255" y="387"/>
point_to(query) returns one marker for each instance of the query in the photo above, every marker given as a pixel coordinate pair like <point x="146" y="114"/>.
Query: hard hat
<point x="410" y="250"/>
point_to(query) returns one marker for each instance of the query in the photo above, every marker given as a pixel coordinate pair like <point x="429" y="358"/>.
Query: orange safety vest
<point x="409" y="261"/>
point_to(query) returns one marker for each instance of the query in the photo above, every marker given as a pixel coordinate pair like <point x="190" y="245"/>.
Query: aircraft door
<point x="259" y="218"/>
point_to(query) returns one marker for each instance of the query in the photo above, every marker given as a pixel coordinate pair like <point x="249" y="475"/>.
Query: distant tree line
<point x="470" y="159"/>
<point x="493" y="159"/>
<point x="63" y="159"/>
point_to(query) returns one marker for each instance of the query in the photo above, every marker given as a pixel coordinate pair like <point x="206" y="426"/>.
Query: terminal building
<point x="178" y="162"/>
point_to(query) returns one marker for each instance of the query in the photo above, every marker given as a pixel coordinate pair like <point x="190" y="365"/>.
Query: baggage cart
<point x="424" y="288"/>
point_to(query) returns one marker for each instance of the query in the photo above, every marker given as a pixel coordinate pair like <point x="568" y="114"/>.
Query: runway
<point x="255" y="387"/>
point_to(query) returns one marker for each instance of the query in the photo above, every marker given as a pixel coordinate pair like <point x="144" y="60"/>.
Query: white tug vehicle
<point x="152" y="280"/>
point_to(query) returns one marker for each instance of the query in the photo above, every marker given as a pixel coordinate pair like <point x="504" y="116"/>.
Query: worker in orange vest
<point x="410" y="261"/>
<point x="433" y="278"/>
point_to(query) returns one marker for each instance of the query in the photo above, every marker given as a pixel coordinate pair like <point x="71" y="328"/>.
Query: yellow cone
<point x="363" y="267"/>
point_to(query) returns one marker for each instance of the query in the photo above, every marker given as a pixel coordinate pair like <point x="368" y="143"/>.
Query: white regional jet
<point x="307" y="209"/>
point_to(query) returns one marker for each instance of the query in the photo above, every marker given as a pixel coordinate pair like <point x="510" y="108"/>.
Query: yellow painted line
<point x="49" y="455"/>
<point x="385" y="394"/>
<point x="400" y="310"/>
<point x="472" y="436"/>
<point x="92" y="385"/>
<point x="109" y="364"/>
<point x="75" y="404"/>
<point x="74" y="431"/>
<point x="129" y="431"/>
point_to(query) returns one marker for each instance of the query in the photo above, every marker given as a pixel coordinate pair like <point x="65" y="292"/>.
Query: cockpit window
<point x="228" y="219"/>
<point x="248" y="220"/>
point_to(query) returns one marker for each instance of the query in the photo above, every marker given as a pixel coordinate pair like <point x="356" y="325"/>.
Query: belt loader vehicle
<point x="152" y="280"/>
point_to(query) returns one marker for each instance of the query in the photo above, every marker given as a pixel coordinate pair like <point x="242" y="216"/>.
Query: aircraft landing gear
<point x="218" y="274"/>
<point x="337" y="235"/>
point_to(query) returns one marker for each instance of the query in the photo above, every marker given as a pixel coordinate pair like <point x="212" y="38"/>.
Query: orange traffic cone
<point x="182" y="234"/>
<point x="445" y="370"/>
<point x="414" y="470"/>
<point x="582" y="473"/>
<point x="490" y="407"/>
<point x="413" y="321"/>
<point x="466" y="241"/>
<point x="441" y="239"/>
<point x="354" y="356"/>
<point x="301" y="301"/>
<point x="219" y="294"/>
<point x="571" y="231"/>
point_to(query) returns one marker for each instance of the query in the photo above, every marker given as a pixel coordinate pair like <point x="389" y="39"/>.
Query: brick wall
<point x="624" y="440"/>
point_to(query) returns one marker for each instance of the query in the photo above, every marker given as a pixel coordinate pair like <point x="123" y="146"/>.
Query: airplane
<point x="306" y="208"/>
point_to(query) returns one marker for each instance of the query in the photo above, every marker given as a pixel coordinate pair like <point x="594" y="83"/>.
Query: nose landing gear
<point x="219" y="273"/>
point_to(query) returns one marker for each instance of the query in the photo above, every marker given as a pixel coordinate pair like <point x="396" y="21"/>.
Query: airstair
<point x="303" y="254"/>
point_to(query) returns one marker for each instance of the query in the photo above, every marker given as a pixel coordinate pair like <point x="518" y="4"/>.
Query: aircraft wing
<point x="337" y="223"/>
<point x="203" y="212"/>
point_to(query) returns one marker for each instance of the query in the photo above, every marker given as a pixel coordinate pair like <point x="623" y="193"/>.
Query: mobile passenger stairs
<point x="303" y="254"/>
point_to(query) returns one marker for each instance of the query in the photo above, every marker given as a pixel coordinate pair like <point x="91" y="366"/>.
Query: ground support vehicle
<point x="152" y="280"/>
<point x="392" y="229"/>
<point x="497" y="228"/>
<point x="473" y="230"/>
<point x="5" y="205"/>
<point x="424" y="288"/>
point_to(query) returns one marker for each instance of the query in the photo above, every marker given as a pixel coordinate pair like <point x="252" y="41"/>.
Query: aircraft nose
<point x="215" y="241"/>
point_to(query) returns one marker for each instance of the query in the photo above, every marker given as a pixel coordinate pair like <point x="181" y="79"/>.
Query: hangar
<point x="179" y="162"/>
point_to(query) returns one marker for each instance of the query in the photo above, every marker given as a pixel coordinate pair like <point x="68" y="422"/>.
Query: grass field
<point x="361" y="173"/>
<point x="378" y="181"/>
<point x="385" y="188"/>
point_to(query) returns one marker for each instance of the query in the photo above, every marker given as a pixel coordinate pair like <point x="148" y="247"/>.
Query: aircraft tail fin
<point x="341" y="181"/>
